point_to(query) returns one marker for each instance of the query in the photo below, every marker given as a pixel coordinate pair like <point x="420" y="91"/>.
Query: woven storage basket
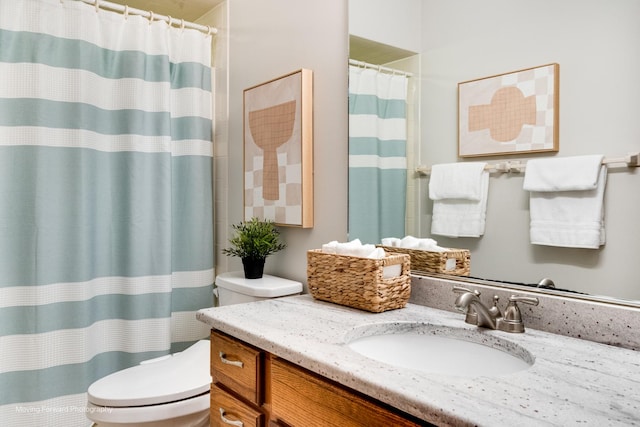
<point x="358" y="282"/>
<point x="452" y="261"/>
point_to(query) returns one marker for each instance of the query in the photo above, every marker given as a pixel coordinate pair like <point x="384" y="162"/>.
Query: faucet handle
<point x="526" y="300"/>
<point x="512" y="315"/>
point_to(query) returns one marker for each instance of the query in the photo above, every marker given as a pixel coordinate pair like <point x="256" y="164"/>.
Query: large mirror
<point x="595" y="43"/>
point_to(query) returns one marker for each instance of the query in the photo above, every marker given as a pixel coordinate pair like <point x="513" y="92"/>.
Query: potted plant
<point x="253" y="241"/>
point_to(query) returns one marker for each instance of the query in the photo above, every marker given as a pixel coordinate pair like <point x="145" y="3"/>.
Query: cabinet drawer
<point x="238" y="366"/>
<point x="302" y="399"/>
<point x="228" y="411"/>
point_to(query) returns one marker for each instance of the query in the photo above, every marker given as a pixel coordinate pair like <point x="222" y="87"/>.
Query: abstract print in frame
<point x="509" y="113"/>
<point x="278" y="150"/>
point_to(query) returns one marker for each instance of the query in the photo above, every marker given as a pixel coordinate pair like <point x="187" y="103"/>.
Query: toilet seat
<point x="182" y="376"/>
<point x="192" y="412"/>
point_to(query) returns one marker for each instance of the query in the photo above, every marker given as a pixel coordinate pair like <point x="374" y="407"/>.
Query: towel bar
<point x="518" y="166"/>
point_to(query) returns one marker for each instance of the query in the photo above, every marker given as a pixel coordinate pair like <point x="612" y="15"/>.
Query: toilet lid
<point x="181" y="376"/>
<point x="265" y="287"/>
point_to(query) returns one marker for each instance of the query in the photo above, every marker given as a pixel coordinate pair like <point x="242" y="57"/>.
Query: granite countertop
<point x="572" y="382"/>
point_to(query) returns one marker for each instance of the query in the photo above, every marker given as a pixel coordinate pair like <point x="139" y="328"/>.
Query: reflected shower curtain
<point x="377" y="154"/>
<point x="106" y="240"/>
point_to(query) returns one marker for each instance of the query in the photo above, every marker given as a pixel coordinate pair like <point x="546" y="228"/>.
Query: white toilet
<point x="174" y="390"/>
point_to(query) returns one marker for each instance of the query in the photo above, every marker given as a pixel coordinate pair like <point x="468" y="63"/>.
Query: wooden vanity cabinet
<point x="237" y="387"/>
<point x="237" y="366"/>
<point x="258" y="389"/>
<point x="227" y="410"/>
<point x="302" y="398"/>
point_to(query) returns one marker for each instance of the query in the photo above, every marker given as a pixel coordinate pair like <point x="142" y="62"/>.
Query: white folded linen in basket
<point x="356" y="248"/>
<point x="353" y="248"/>
<point x="410" y="242"/>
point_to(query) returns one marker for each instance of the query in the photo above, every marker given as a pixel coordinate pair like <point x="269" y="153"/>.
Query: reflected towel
<point x="563" y="173"/>
<point x="569" y="213"/>
<point x="459" y="192"/>
<point x="456" y="181"/>
<point x="410" y="242"/>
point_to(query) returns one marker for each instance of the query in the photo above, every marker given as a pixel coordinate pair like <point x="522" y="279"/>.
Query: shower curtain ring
<point x="150" y="17"/>
<point x="97" y="6"/>
<point x="126" y="11"/>
<point x="208" y="30"/>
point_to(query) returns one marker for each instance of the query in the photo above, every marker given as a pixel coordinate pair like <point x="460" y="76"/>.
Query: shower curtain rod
<point x="126" y="10"/>
<point x="363" y="64"/>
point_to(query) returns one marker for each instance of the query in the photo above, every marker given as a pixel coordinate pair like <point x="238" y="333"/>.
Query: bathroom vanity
<point x="306" y="367"/>
<point x="251" y="386"/>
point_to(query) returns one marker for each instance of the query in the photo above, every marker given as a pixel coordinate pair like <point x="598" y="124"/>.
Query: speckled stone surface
<point x="599" y="321"/>
<point x="571" y="382"/>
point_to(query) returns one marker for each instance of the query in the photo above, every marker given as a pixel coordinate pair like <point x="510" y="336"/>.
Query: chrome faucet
<point x="491" y="317"/>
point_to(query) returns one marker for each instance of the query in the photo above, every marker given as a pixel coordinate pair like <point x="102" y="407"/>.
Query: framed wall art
<point x="509" y="113"/>
<point x="278" y="150"/>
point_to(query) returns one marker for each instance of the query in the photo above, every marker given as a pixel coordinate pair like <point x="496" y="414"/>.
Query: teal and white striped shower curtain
<point x="377" y="154"/>
<point x="106" y="230"/>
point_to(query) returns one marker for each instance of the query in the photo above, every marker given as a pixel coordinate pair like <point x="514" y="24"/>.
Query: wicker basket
<point x="453" y="261"/>
<point x="358" y="282"/>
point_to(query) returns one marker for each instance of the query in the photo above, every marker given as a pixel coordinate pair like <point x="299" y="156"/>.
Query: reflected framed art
<point x="510" y="113"/>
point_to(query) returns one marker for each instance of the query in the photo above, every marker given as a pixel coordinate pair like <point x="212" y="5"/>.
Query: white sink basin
<point x="439" y="349"/>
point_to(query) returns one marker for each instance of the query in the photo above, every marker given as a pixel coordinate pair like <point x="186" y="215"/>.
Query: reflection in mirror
<point x="442" y="44"/>
<point x="377" y="151"/>
<point x="382" y="131"/>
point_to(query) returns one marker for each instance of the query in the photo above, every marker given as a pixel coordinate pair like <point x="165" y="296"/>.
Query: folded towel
<point x="430" y="245"/>
<point x="563" y="173"/>
<point x="459" y="193"/>
<point x="353" y="248"/>
<point x="573" y="217"/>
<point x="410" y="242"/>
<point x="456" y="181"/>
<point x="356" y="248"/>
<point x="390" y="241"/>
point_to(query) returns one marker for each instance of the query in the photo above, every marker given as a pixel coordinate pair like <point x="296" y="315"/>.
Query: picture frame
<point x="278" y="150"/>
<point x="511" y="113"/>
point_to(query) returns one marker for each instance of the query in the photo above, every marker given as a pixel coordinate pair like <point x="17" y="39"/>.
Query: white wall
<point x="392" y="22"/>
<point x="596" y="43"/>
<point x="268" y="40"/>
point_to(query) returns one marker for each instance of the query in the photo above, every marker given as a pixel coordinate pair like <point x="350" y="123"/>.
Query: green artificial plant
<point x="255" y="238"/>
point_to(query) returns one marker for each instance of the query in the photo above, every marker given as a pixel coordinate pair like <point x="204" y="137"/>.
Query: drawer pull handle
<point x="228" y="421"/>
<point x="223" y="359"/>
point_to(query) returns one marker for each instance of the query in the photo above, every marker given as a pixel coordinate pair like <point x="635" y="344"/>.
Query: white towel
<point x="459" y="192"/>
<point x="356" y="248"/>
<point x="353" y="248"/>
<point x="563" y="173"/>
<point x="390" y="241"/>
<point x="456" y="181"/>
<point x="410" y="242"/>
<point x="567" y="210"/>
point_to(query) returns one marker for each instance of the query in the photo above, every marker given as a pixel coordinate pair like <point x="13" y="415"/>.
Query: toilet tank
<point x="234" y="288"/>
